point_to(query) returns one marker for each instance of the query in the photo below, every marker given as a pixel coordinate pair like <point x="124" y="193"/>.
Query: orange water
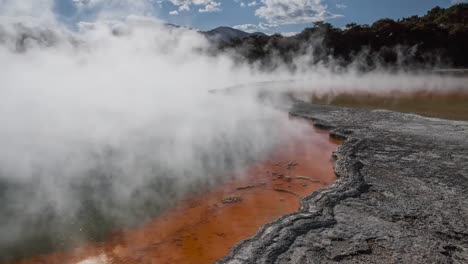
<point x="204" y="227"/>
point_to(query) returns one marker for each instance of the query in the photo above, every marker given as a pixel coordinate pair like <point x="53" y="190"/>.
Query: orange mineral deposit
<point x="203" y="227"/>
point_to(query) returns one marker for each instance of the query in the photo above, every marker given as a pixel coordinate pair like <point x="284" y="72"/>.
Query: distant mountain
<point x="258" y="34"/>
<point x="226" y="34"/>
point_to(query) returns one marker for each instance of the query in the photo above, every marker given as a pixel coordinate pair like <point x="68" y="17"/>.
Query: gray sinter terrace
<point x="401" y="195"/>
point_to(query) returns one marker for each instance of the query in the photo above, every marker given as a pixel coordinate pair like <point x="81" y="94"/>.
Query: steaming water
<point x="111" y="122"/>
<point x="441" y="104"/>
<point x="202" y="227"/>
<point x="109" y="129"/>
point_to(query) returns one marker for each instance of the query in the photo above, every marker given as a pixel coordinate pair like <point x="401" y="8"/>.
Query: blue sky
<point x="253" y="15"/>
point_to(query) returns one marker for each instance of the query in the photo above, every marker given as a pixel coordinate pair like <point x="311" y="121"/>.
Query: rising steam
<point x="111" y="122"/>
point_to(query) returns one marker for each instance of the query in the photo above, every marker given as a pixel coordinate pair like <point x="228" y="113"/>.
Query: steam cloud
<point x="113" y="122"/>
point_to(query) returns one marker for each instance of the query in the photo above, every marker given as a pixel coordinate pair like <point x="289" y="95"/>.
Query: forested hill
<point x="437" y="39"/>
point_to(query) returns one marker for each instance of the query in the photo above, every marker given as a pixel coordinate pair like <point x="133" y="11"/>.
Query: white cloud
<point x="253" y="3"/>
<point x="255" y="28"/>
<point x="248" y="27"/>
<point x="184" y="7"/>
<point x="174" y="13"/>
<point x="242" y="4"/>
<point x="210" y="7"/>
<point x="458" y="1"/>
<point x="204" y="5"/>
<point x="286" y="12"/>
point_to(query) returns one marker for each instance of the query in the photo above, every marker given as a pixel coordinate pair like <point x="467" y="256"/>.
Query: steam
<point x="109" y="125"/>
<point x="112" y="123"/>
<point x="36" y="9"/>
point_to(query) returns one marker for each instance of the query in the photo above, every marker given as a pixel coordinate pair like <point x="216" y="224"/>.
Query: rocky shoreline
<point x="401" y="195"/>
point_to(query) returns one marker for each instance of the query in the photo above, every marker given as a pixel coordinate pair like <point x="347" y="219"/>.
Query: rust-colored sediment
<point x="204" y="227"/>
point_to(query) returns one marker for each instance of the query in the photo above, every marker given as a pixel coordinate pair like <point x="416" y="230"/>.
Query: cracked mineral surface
<point x="401" y="195"/>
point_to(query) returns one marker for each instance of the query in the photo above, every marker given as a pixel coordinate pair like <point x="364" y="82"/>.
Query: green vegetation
<point x="438" y="38"/>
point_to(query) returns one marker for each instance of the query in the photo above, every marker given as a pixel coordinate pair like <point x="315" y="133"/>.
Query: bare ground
<point x="401" y="196"/>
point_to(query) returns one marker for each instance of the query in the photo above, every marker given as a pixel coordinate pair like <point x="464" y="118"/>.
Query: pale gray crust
<point x="401" y="195"/>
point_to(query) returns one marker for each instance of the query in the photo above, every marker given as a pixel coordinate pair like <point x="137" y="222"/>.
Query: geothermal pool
<point x="203" y="227"/>
<point x="448" y="105"/>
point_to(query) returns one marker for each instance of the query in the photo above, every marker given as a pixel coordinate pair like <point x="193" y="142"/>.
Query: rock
<point x="286" y="191"/>
<point x="245" y="187"/>
<point x="307" y="179"/>
<point x="291" y="165"/>
<point x="401" y="195"/>
<point x="232" y="199"/>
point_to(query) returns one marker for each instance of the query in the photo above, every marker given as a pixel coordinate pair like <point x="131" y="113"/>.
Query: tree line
<point x="437" y="39"/>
